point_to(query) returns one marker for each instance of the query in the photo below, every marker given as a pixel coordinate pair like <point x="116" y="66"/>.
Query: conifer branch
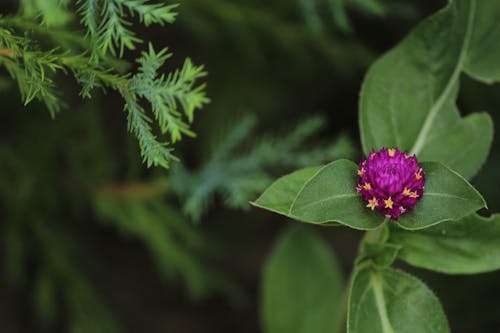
<point x="93" y="60"/>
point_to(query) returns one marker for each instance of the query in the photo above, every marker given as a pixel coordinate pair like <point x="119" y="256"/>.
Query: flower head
<point x="391" y="182"/>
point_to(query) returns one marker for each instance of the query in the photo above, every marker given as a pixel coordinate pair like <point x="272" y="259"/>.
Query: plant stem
<point x="377" y="235"/>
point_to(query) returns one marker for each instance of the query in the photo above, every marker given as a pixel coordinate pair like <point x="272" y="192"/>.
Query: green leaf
<point x="280" y="195"/>
<point x="482" y="61"/>
<point x="467" y="141"/>
<point x="447" y="196"/>
<point x="330" y="196"/>
<point x="325" y="195"/>
<point x="408" y="96"/>
<point x="302" y="286"/>
<point x="391" y="301"/>
<point x="467" y="246"/>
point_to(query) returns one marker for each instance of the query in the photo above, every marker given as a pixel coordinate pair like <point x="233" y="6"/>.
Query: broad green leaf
<point x="483" y="62"/>
<point x="408" y="96"/>
<point x="302" y="286"/>
<point x="330" y="196"/>
<point x="467" y="246"/>
<point x="391" y="301"/>
<point x="280" y="195"/>
<point x="447" y="196"/>
<point x="467" y="141"/>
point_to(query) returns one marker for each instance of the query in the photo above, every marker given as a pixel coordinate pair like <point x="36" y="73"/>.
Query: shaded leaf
<point x="408" y="96"/>
<point x="482" y="60"/>
<point x="390" y="301"/>
<point x="467" y="246"/>
<point x="280" y="195"/>
<point x="330" y="196"/>
<point x="302" y="286"/>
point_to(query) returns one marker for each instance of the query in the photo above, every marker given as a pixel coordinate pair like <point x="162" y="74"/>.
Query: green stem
<point x="374" y="236"/>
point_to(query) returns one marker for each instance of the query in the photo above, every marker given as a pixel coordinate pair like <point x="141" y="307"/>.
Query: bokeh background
<point x="93" y="241"/>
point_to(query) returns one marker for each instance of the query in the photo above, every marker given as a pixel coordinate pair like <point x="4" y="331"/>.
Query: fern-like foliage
<point x="238" y="171"/>
<point x="32" y="69"/>
<point x="61" y="275"/>
<point x="172" y="242"/>
<point x="36" y="50"/>
<point x="51" y="12"/>
<point x="337" y="11"/>
<point x="48" y="232"/>
<point x="108" y="27"/>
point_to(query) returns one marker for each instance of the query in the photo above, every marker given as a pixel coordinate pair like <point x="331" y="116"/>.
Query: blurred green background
<point x="92" y="241"/>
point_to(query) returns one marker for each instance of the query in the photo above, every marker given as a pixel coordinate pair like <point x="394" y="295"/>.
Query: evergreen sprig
<point x="93" y="58"/>
<point x="113" y="32"/>
<point x="32" y="69"/>
<point x="237" y="172"/>
<point x="51" y="12"/>
<point x="170" y="95"/>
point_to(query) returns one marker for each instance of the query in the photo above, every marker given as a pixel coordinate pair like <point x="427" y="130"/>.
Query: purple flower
<point x="391" y="181"/>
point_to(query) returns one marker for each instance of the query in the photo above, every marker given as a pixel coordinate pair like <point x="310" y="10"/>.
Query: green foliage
<point x="338" y="11"/>
<point x="108" y="27"/>
<point x="391" y="301"/>
<point x="408" y="100"/>
<point x="296" y="274"/>
<point x="177" y="248"/>
<point x="428" y="122"/>
<point x="239" y="174"/>
<point x="33" y="73"/>
<point x="329" y="195"/>
<point x="34" y="229"/>
<point x="465" y="246"/>
<point x="62" y="290"/>
<point x="91" y="58"/>
<point x="281" y="24"/>
<point x="280" y="196"/>
<point x="448" y="196"/>
<point x="61" y="274"/>
<point x="52" y="12"/>
<point x="480" y="61"/>
<point x="169" y="97"/>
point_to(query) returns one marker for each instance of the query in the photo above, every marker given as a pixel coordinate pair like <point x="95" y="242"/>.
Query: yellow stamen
<point x="367" y="186"/>
<point x="361" y="172"/>
<point x="391" y="152"/>
<point x="372" y="203"/>
<point x="388" y="203"/>
<point x="418" y="175"/>
<point x="406" y="191"/>
<point x="414" y="195"/>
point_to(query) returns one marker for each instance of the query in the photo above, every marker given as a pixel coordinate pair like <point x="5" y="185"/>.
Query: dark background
<point x="265" y="58"/>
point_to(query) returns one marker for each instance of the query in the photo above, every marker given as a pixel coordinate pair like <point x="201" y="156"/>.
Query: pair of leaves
<point x="328" y="194"/>
<point x="408" y="96"/>
<point x="302" y="293"/>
